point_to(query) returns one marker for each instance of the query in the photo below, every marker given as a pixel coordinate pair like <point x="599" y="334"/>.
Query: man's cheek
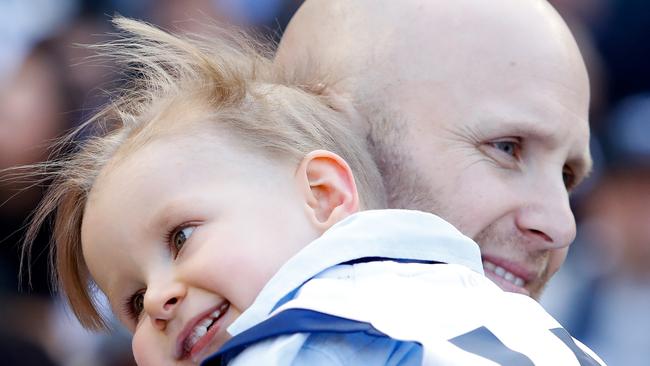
<point x="484" y="193"/>
<point x="556" y="260"/>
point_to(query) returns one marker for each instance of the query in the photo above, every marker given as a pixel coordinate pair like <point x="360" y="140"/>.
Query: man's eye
<point x="179" y="237"/>
<point x="568" y="177"/>
<point x="509" y="147"/>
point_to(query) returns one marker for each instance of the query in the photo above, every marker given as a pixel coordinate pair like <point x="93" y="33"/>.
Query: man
<point x="475" y="111"/>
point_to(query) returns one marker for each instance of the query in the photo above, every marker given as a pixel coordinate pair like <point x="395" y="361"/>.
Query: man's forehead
<point x="374" y="31"/>
<point x="532" y="108"/>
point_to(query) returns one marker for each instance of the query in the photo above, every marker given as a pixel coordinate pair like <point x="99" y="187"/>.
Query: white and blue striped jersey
<point x="394" y="287"/>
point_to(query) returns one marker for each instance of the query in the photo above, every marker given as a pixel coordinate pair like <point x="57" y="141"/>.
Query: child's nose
<point x="161" y="305"/>
<point x="160" y="320"/>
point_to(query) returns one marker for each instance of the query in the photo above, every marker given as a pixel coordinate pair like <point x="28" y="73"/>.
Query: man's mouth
<point x="503" y="273"/>
<point x="198" y="336"/>
<point x="505" y="277"/>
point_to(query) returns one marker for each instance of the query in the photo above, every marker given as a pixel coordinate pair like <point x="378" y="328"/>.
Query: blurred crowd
<point x="48" y="85"/>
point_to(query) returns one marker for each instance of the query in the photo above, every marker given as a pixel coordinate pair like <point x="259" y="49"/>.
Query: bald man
<point x="474" y="110"/>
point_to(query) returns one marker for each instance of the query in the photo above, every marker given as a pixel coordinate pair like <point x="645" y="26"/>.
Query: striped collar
<point x="395" y="234"/>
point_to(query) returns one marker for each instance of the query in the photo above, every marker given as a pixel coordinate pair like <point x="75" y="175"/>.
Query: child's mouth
<point x="203" y="332"/>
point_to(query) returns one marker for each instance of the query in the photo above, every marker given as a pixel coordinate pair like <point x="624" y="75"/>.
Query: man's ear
<point x="329" y="188"/>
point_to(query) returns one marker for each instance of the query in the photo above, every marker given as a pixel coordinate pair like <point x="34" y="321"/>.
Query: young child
<point x="222" y="201"/>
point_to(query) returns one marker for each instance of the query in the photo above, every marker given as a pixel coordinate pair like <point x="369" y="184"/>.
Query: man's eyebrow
<point x="519" y="126"/>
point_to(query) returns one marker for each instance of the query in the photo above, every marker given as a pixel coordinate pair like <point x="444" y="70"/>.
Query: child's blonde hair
<point x="229" y="83"/>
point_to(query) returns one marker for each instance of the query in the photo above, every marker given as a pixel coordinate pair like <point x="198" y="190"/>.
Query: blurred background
<point x="601" y="295"/>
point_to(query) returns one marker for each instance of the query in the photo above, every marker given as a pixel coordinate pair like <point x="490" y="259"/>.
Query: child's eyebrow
<point x="164" y="215"/>
<point x="161" y="213"/>
<point x="176" y="211"/>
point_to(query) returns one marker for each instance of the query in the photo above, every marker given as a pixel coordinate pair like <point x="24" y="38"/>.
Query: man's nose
<point x="161" y="302"/>
<point x="546" y="215"/>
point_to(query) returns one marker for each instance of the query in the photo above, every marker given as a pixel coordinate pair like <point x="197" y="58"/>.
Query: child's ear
<point x="329" y="188"/>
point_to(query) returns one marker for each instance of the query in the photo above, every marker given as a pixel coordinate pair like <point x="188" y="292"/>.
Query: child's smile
<point x="200" y="332"/>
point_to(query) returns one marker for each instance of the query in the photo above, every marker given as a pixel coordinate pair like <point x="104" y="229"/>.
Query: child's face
<point x="183" y="234"/>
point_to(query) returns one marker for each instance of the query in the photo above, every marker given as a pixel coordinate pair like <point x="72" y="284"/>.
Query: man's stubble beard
<point x="406" y="188"/>
<point x="507" y="242"/>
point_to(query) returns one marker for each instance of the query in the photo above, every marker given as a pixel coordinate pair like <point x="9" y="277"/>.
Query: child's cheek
<point x="146" y="350"/>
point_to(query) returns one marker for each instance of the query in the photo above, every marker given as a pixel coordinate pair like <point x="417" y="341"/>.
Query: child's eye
<point x="179" y="237"/>
<point x="135" y="305"/>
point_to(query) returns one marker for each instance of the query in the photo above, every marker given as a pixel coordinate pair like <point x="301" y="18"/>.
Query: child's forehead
<point x="161" y="152"/>
<point x="184" y="130"/>
<point x="184" y="171"/>
<point x="183" y="152"/>
<point x="159" y="173"/>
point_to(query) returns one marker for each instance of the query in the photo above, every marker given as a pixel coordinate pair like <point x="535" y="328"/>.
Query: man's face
<point x="182" y="242"/>
<point x="494" y="144"/>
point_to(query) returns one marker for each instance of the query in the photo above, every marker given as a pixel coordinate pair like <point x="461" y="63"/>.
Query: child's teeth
<point x="205" y="323"/>
<point x="197" y="333"/>
<point x="192" y="340"/>
<point x="200" y="331"/>
<point x="202" y="327"/>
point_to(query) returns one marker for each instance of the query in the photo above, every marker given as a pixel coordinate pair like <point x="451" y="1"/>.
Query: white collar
<point x="398" y="234"/>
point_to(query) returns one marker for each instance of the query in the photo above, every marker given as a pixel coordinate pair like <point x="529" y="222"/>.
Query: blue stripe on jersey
<point x="291" y="321"/>
<point x="484" y="343"/>
<point x="582" y="356"/>
<point x="386" y="259"/>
